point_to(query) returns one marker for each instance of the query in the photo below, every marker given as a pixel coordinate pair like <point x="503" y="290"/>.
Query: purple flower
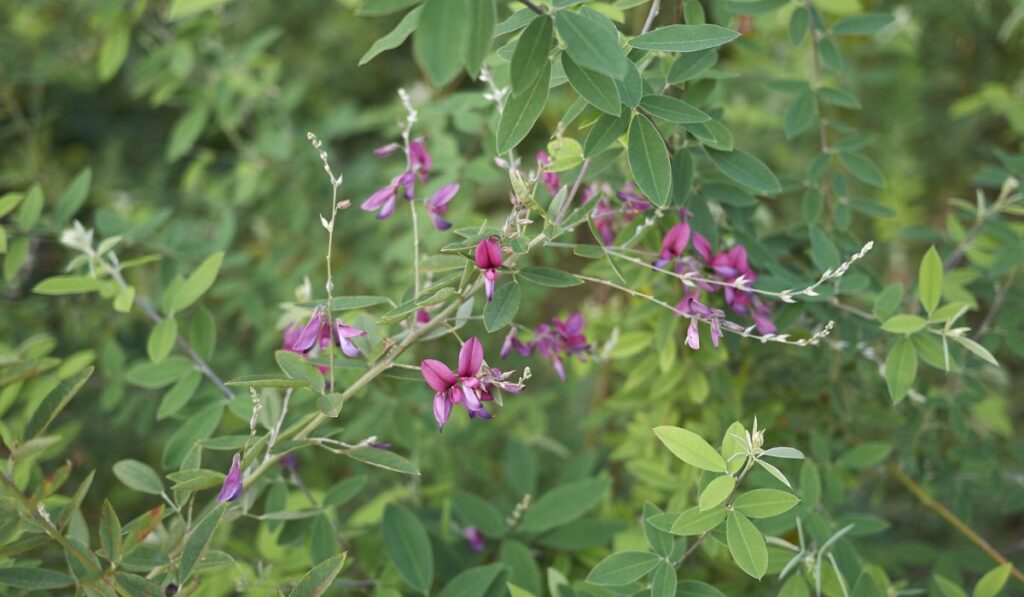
<point x="232" y="487"/>
<point x="561" y="340"/>
<point x="171" y="589"/>
<point x="289" y="462"/>
<point x="604" y="221"/>
<point x="475" y="538"/>
<point x="693" y="335"/>
<point x="419" y="158"/>
<point x="383" y="199"/>
<point x="674" y="243"/>
<point x="318" y="332"/>
<point x="422" y="316"/>
<point x="437" y="205"/>
<point x="512" y="342"/>
<point x="387" y="150"/>
<point x="550" y="179"/>
<point x="344" y="334"/>
<point x="488" y="258"/>
<point x="465" y="387"/>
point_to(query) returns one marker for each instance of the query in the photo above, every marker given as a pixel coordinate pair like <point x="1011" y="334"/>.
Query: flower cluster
<point x="730" y="269"/>
<point x="613" y="209"/>
<point x="471" y="385"/>
<point x="556" y="341"/>
<point x="418" y="166"/>
<point x="318" y="332"/>
<point x="550" y="179"/>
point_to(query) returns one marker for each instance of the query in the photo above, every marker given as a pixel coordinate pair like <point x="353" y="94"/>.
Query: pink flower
<point x="561" y="339"/>
<point x="232" y="487"/>
<point x="475" y="538"/>
<point x="674" y="243"/>
<point x="550" y="179"/>
<point x="437" y="205"/>
<point x="463" y="388"/>
<point x="488" y="258"/>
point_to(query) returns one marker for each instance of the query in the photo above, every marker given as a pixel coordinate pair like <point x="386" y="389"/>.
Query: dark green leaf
<point x="440" y="39"/>
<point x="745" y="169"/>
<point x="34" y="579"/>
<point x="622" y="568"/>
<point x="592" y="42"/>
<point x="548" y="276"/>
<point x="74" y="196"/>
<point x="395" y="37"/>
<point x="649" y="161"/>
<point x="55" y="402"/>
<point x="746" y="544"/>
<point x="684" y="38"/>
<point x="500" y="311"/>
<point x="604" y="132"/>
<point x="862" y="168"/>
<point x="406" y="543"/>
<point x="599" y="90"/>
<point x="474" y="582"/>
<point x="198" y="541"/>
<point x="900" y="369"/>
<point x="384" y="459"/>
<point x="672" y="110"/>
<point x="531" y="54"/>
<point x="522" y="109"/>
<point x="563" y="504"/>
<point x="482" y="16"/>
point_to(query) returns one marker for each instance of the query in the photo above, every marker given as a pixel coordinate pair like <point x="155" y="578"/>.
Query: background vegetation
<point x="180" y="127"/>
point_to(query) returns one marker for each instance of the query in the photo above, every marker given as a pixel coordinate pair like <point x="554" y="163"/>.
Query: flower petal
<point x="442" y="409"/>
<point x="437" y="375"/>
<point x="232" y="487"/>
<point x="471" y="357"/>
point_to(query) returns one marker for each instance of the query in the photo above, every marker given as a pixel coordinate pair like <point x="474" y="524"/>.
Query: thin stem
<point x="415" y="249"/>
<point x="816" y="82"/>
<point x="572" y="192"/>
<point x="185" y="347"/>
<point x="931" y="503"/>
<point x="532" y="6"/>
<point x="335" y="183"/>
<point x="48" y="527"/>
<point x="655" y="9"/>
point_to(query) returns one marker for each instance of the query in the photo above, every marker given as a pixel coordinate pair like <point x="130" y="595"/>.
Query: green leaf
<point x="382" y="8"/>
<point x="193" y="430"/>
<point x="800" y="114"/>
<point x="548" y="276"/>
<point x="691" y="65"/>
<point x="110" y="532"/>
<point x="716" y="492"/>
<point x="691" y="448"/>
<point x="330" y="404"/>
<point x="531" y="54"/>
<point x="394" y="38"/>
<point x="622" y="568"/>
<point x="797" y="28"/>
<point x="649" y="161"/>
<point x="476" y="582"/>
<point x="862" y="168"/>
<point x="865" y="455"/>
<point x="888" y="302"/>
<point x="341" y="492"/>
<point x="74" y="196"/>
<point x="138" y="586"/>
<point x="61" y="285"/>
<point x="900" y="369"/>
<point x="199" y="281"/>
<point x="904" y="324"/>
<point x="746" y="544"/>
<point x="563" y="504"/>
<point x="265" y="381"/>
<point x="482" y="17"/>
<point x="604" y="132"/>
<point x="978" y="350"/>
<point x="299" y="369"/>
<point x="745" y="169"/>
<point x="522" y="109"/>
<point x="439" y="42"/>
<point x="196" y="479"/>
<point x="138" y="476"/>
<point x="658" y="537"/>
<point x="113" y="51"/>
<point x="684" y="38"/>
<point x="34" y="579"/>
<point x="947" y="588"/>
<point x="186" y="131"/>
<point x="695" y="522"/>
<point x="664" y="581"/>
<point x="55" y="402"/>
<point x="592" y="42"/>
<point x="672" y="109"/>
<point x="31" y="208"/>
<point x="929" y="280"/>
<point x="867" y="23"/>
<point x="406" y="543"/>
<point x="599" y="90"/>
<point x="317" y="581"/>
<point x="823" y="251"/>
<point x="522" y="566"/>
<point x="9" y="201"/>
<point x="475" y="511"/>
<point x="764" y="503"/>
<point x="631" y="87"/>
<point x="993" y="582"/>
<point x="161" y="339"/>
<point x="384" y="459"/>
<point x="503" y="307"/>
<point x="695" y="588"/>
<point x="180" y="9"/>
<point x="733" y="444"/>
<point x="198" y="541"/>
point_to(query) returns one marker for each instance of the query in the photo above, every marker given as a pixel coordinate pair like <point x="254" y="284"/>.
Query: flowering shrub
<point x="251" y="387"/>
